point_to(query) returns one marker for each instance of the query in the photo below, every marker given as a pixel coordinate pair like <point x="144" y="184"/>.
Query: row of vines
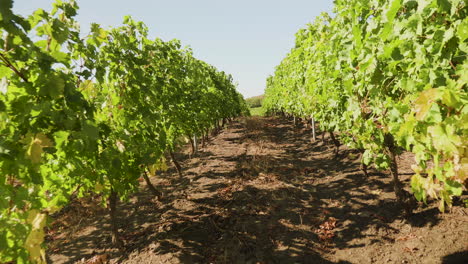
<point x="81" y="115"/>
<point x="386" y="76"/>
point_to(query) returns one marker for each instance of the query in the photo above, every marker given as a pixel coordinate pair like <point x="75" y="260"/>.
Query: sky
<point x="245" y="38"/>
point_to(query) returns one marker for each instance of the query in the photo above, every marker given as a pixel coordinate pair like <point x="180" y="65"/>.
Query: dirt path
<point x="262" y="192"/>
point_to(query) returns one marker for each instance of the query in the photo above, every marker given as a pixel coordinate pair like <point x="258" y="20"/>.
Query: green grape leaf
<point x="462" y="30"/>
<point x="54" y="87"/>
<point x="2" y="106"/>
<point x="417" y="187"/>
<point x="90" y="130"/>
<point x="453" y="187"/>
<point x="444" y="5"/>
<point x="424" y="102"/>
<point x="36" y="145"/>
<point x="59" y="31"/>
<point x="451" y="99"/>
<point x="393" y="10"/>
<point x="441" y="140"/>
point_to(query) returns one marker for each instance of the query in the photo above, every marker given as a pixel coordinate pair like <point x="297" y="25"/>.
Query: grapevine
<point x="90" y="115"/>
<point x="386" y="76"/>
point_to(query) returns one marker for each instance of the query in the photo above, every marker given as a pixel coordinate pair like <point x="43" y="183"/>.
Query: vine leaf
<point x="462" y="31"/>
<point x="424" y="102"/>
<point x="36" y="146"/>
<point x="54" y="87"/>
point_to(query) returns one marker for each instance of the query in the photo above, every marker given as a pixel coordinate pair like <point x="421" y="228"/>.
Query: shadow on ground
<point x="261" y="192"/>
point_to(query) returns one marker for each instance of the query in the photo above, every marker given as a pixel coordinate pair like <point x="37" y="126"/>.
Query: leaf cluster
<point x="90" y="115"/>
<point x="387" y="75"/>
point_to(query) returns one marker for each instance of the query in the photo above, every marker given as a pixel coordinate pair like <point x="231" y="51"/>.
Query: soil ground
<point x="263" y="192"/>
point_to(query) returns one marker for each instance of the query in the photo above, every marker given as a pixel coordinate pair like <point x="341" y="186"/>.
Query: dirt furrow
<point x="263" y="192"/>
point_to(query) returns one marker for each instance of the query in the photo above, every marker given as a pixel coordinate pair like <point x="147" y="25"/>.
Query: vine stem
<point x="313" y="128"/>
<point x="151" y="186"/>
<point x="176" y="164"/>
<point x="116" y="240"/>
<point x="402" y="197"/>
<point x="12" y="67"/>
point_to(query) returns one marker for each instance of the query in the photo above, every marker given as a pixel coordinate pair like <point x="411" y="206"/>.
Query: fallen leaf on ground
<point x="98" y="259"/>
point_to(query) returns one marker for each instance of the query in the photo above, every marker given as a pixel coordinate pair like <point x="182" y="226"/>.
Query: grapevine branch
<point x="453" y="66"/>
<point x="12" y="67"/>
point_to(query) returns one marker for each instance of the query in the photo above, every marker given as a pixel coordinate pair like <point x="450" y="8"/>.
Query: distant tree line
<point x="256" y="101"/>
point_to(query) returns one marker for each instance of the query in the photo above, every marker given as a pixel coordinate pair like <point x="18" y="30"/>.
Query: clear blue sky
<point x="246" y="38"/>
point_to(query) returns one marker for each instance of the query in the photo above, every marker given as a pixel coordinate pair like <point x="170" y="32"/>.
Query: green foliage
<point x="386" y="75"/>
<point x="257" y="111"/>
<point x="255" y="101"/>
<point x="93" y="113"/>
